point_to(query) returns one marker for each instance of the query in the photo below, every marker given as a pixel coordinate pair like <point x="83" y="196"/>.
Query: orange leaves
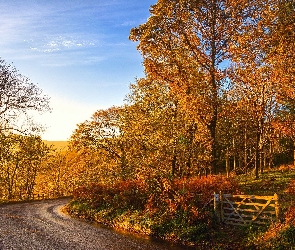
<point x="189" y="194"/>
<point x="188" y="45"/>
<point x="210" y="87"/>
<point x="156" y="195"/>
<point x="290" y="216"/>
<point x="22" y="160"/>
<point x="206" y="186"/>
<point x="121" y="195"/>
<point x="291" y="189"/>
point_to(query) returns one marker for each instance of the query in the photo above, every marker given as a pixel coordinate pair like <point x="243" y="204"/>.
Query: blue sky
<point x="77" y="51"/>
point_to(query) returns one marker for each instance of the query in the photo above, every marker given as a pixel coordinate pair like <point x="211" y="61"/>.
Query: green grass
<point x="270" y="182"/>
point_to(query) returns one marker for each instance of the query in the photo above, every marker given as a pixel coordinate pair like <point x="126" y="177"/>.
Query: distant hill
<point x="57" y="144"/>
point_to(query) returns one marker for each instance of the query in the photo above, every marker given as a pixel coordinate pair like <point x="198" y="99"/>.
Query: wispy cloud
<point x="60" y="43"/>
<point x="60" y="27"/>
<point x="77" y="50"/>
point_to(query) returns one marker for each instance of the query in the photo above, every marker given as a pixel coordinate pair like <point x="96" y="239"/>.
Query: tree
<point x="165" y="141"/>
<point x="256" y="61"/>
<point x="104" y="132"/>
<point x="61" y="173"/>
<point x="185" y="44"/>
<point x="284" y="123"/>
<point x="280" y="24"/>
<point x="18" y="95"/>
<point x="21" y="159"/>
<point x="150" y="124"/>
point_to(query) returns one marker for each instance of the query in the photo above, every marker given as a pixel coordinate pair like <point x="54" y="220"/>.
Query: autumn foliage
<point x="121" y="195"/>
<point x="157" y="197"/>
<point x="217" y="98"/>
<point x="291" y="188"/>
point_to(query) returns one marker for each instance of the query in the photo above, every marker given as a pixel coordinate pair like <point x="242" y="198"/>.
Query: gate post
<point x="277" y="207"/>
<point x="217" y="207"/>
<point x="221" y="206"/>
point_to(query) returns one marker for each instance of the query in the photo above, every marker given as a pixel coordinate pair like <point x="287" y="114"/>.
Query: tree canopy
<point x="18" y="96"/>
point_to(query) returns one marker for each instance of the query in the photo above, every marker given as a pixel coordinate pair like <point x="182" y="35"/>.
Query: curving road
<point x="41" y="225"/>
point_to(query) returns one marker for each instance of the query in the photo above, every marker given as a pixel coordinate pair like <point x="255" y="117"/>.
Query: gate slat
<point x="241" y="213"/>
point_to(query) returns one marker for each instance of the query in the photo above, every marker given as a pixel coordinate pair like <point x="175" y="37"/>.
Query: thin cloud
<point x="61" y="43"/>
<point x="78" y="50"/>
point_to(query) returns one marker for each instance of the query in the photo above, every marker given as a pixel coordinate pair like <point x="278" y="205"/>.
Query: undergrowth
<point x="181" y="210"/>
<point x="178" y="210"/>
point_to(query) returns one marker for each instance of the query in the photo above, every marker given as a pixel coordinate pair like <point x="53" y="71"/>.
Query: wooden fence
<point x="246" y="209"/>
<point x="36" y="196"/>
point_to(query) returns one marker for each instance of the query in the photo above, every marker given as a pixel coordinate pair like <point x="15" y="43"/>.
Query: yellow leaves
<point x="209" y="71"/>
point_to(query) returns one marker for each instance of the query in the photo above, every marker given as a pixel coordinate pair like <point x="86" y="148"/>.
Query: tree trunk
<point x="191" y="135"/>
<point x="212" y="128"/>
<point x="234" y="150"/>
<point x="173" y="163"/>
<point x="227" y="163"/>
<point x="213" y="87"/>
<point x="270" y="155"/>
<point x="261" y="161"/>
<point x="256" y="166"/>
<point x="257" y="156"/>
<point x="245" y="151"/>
<point x="123" y="164"/>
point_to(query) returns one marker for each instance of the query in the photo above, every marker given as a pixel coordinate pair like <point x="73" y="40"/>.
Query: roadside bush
<point x="124" y="195"/>
<point x="175" y="209"/>
<point x="96" y="195"/>
<point x="291" y="188"/>
<point x="290" y="216"/>
<point x="186" y="194"/>
<point x="130" y="194"/>
<point x="204" y="187"/>
<point x="181" y="207"/>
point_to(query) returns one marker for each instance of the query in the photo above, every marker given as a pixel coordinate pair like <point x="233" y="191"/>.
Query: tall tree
<point x="21" y="159"/>
<point x="280" y="24"/>
<point x="164" y="139"/>
<point x="185" y="44"/>
<point x="104" y="132"/>
<point x="18" y="95"/>
<point x="257" y="57"/>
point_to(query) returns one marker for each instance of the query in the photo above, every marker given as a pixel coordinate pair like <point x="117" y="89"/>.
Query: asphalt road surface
<point x="41" y="225"/>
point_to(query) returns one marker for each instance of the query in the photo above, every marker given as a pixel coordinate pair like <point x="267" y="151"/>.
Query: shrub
<point x="180" y="205"/>
<point x="291" y="188"/>
<point x="188" y="193"/>
<point x="290" y="216"/>
<point x="130" y="194"/>
<point x="174" y="208"/>
<point x="124" y="194"/>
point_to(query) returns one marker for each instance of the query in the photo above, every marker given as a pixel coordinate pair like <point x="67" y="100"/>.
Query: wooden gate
<point x="246" y="209"/>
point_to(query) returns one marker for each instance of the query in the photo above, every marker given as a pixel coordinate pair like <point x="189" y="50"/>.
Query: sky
<point x="77" y="51"/>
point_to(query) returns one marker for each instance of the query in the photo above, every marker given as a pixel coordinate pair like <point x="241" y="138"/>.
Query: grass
<point x="270" y="182"/>
<point x="280" y="235"/>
